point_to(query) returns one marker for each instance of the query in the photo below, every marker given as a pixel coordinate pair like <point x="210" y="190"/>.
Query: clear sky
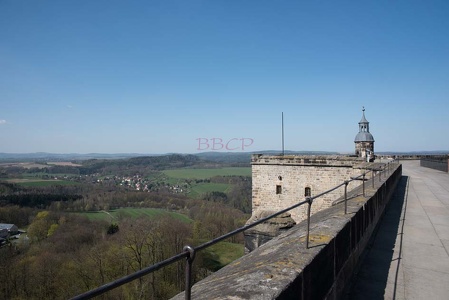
<point x="155" y="76"/>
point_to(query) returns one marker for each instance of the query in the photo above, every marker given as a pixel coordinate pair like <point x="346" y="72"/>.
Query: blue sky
<point x="155" y="76"/>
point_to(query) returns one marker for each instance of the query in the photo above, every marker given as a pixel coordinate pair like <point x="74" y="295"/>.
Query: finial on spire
<point x="363" y="108"/>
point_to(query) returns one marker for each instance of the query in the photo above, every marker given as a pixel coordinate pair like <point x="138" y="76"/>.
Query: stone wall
<point x="284" y="268"/>
<point x="280" y="181"/>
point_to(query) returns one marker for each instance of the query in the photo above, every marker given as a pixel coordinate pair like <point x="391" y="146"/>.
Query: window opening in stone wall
<point x="307" y="192"/>
<point x="278" y="189"/>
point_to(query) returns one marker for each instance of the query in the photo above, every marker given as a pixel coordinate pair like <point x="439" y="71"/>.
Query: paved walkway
<point x="409" y="256"/>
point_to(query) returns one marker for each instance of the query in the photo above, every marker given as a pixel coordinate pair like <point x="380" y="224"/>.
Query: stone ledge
<point x="306" y="160"/>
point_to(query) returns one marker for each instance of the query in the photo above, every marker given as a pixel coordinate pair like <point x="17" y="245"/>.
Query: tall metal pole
<point x="282" y="133"/>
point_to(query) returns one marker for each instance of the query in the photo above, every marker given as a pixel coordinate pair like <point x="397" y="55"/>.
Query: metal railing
<point x="189" y="251"/>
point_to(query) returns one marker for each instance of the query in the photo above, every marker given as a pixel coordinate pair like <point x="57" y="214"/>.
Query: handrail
<point x="189" y="251"/>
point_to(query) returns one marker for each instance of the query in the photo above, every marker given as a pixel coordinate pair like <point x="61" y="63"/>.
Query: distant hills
<point x="245" y="157"/>
<point x="44" y="156"/>
<point x="213" y="156"/>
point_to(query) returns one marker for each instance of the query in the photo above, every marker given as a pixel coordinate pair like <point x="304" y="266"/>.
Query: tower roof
<point x="364" y="135"/>
<point x="363" y="120"/>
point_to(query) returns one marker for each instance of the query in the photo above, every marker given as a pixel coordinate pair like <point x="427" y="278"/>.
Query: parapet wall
<point x="284" y="268"/>
<point x="436" y="162"/>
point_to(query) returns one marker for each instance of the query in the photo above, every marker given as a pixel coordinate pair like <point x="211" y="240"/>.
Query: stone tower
<point x="279" y="182"/>
<point x="364" y="141"/>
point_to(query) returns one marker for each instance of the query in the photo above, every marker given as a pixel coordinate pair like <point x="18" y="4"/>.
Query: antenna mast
<point x="282" y="133"/>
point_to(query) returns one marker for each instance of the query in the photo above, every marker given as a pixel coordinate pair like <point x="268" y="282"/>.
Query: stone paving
<point x="408" y="257"/>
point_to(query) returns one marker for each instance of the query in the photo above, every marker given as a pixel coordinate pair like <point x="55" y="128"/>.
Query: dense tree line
<point x="141" y="164"/>
<point x="7" y="188"/>
<point x="39" y="197"/>
<point x="20" y="216"/>
<point x="36" y="200"/>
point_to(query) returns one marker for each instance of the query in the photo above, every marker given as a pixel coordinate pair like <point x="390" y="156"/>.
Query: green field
<point x="178" y="176"/>
<point x="203" y="188"/>
<point x="116" y="214"/>
<point x="207" y="173"/>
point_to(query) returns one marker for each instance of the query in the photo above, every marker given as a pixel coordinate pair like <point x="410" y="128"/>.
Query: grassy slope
<point x="223" y="253"/>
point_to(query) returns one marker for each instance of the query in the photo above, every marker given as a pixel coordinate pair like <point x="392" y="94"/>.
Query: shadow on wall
<point x="370" y="279"/>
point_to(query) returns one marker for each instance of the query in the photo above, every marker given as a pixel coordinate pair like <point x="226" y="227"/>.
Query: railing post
<point x="346" y="197"/>
<point x="309" y="201"/>
<point x="380" y="174"/>
<point x="189" y="262"/>
<point x="363" y="184"/>
<point x="372" y="179"/>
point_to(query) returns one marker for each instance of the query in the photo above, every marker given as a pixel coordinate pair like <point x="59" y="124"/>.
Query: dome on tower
<point x="364" y="137"/>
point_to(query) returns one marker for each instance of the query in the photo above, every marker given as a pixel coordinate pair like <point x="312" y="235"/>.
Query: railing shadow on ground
<point x="189" y="252"/>
<point x="371" y="278"/>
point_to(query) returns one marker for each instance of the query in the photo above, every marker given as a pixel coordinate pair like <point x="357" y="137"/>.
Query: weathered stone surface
<point x="262" y="233"/>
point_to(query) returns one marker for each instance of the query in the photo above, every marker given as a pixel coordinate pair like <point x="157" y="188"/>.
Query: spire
<point x="363" y="120"/>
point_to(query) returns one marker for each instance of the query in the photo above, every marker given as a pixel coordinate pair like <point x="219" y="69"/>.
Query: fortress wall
<point x="280" y="181"/>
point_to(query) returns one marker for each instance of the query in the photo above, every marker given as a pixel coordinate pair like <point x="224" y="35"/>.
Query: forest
<point x="63" y="252"/>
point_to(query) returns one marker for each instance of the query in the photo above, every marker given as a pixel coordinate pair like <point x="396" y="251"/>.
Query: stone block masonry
<point x="282" y="181"/>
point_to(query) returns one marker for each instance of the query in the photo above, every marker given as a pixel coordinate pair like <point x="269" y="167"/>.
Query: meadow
<point x="223" y="253"/>
<point x="202" y="188"/>
<point x="207" y="173"/>
<point x="196" y="190"/>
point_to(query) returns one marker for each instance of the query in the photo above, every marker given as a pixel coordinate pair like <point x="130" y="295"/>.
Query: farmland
<point x="207" y="173"/>
<point x="202" y="188"/>
<point x="198" y="182"/>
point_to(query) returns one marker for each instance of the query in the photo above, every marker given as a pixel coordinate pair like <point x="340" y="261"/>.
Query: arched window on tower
<point x="307" y="192"/>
